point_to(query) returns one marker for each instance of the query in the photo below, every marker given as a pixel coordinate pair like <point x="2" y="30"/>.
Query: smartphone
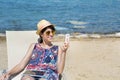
<point x="67" y="38"/>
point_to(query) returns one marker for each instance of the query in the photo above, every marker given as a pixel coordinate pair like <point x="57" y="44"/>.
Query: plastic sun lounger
<point x="17" y="45"/>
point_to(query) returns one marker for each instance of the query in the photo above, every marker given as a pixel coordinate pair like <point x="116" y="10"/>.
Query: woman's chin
<point x="50" y="40"/>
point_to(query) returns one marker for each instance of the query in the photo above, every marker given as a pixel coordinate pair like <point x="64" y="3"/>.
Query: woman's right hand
<point x="4" y="77"/>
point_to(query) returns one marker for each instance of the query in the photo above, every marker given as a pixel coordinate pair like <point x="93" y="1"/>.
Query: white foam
<point x="82" y="36"/>
<point x="95" y="36"/>
<point x="78" y="22"/>
<point x="79" y="27"/>
<point x="2" y="34"/>
<point x="61" y="28"/>
<point x="117" y="34"/>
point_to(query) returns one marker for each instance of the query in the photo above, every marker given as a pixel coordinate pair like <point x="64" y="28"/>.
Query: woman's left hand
<point x="65" y="47"/>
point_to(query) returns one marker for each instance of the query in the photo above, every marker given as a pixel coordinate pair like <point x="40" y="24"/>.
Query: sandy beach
<point x="3" y="53"/>
<point x="87" y="58"/>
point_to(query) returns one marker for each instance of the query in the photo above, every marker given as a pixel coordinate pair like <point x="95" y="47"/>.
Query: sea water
<point x="69" y="16"/>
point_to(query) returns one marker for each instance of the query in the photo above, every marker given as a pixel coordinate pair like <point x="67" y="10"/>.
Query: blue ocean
<point x="69" y="16"/>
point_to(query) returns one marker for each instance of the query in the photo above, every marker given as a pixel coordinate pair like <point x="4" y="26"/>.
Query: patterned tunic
<point x="45" y="61"/>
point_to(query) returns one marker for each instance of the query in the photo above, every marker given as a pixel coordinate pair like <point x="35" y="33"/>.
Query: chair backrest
<point x="17" y="45"/>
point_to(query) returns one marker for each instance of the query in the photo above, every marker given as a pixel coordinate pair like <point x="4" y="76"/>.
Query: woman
<point x="43" y="60"/>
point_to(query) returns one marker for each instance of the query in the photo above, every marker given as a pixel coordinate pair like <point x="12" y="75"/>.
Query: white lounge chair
<point x="17" y="45"/>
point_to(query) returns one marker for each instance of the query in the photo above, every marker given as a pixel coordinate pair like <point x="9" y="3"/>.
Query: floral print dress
<point x="44" y="62"/>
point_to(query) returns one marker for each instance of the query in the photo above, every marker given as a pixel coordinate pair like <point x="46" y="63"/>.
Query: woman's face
<point x="48" y="35"/>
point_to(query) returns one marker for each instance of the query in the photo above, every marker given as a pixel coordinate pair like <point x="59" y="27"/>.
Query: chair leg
<point x="60" y="77"/>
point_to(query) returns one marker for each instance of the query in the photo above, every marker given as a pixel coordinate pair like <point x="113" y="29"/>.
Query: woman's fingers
<point x="4" y="77"/>
<point x="65" y="47"/>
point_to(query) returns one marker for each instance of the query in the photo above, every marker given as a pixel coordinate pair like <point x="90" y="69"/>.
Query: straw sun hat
<point x="41" y="25"/>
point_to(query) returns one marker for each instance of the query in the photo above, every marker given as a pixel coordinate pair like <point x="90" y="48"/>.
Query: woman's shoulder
<point x="32" y="45"/>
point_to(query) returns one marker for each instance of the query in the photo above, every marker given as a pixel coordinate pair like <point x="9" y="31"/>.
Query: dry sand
<point x="87" y="59"/>
<point x="3" y="53"/>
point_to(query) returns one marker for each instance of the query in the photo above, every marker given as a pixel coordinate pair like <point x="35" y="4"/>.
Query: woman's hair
<point x="40" y="40"/>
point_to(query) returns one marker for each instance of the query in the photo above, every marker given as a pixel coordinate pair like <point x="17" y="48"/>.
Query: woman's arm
<point x="61" y="57"/>
<point x="20" y="66"/>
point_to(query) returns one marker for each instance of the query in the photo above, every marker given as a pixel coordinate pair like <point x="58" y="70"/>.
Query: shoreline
<point x="82" y="35"/>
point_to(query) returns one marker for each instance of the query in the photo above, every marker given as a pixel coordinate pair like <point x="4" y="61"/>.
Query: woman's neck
<point x="46" y="44"/>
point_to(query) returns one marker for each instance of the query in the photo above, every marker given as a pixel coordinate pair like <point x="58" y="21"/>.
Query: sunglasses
<point x="49" y="32"/>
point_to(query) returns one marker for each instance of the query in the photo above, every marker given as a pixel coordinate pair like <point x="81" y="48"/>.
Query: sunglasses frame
<point x="48" y="32"/>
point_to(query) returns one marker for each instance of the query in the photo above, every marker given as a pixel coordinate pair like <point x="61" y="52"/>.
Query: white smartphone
<point x="67" y="38"/>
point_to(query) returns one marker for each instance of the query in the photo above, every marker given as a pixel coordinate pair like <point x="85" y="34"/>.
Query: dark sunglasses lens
<point x="48" y="32"/>
<point x="53" y="32"/>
